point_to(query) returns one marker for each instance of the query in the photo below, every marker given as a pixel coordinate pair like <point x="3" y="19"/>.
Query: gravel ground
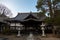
<point x="37" y="37"/>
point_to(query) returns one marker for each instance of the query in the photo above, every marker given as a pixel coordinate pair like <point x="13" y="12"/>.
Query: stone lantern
<point x="19" y="28"/>
<point x="43" y="29"/>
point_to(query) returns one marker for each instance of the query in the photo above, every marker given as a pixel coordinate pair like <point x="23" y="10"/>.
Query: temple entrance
<point x="31" y="26"/>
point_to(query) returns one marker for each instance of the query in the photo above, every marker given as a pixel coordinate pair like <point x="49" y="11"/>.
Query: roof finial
<point x="30" y="11"/>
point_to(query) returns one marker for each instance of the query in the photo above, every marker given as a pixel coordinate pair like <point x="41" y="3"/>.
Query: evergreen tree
<point x="51" y="6"/>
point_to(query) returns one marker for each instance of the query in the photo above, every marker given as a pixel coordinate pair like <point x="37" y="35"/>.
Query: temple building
<point x="25" y="23"/>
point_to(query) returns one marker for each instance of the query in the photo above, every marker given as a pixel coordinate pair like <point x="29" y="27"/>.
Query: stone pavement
<point x="14" y="37"/>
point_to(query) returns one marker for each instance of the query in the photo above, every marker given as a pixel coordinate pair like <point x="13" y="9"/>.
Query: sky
<point x="17" y="6"/>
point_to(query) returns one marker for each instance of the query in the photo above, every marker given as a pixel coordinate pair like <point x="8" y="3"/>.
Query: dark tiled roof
<point x="22" y="16"/>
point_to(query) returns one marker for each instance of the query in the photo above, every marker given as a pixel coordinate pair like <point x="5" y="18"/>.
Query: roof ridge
<point x="28" y="12"/>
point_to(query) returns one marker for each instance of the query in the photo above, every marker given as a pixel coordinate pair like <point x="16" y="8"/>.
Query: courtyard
<point x="24" y="37"/>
